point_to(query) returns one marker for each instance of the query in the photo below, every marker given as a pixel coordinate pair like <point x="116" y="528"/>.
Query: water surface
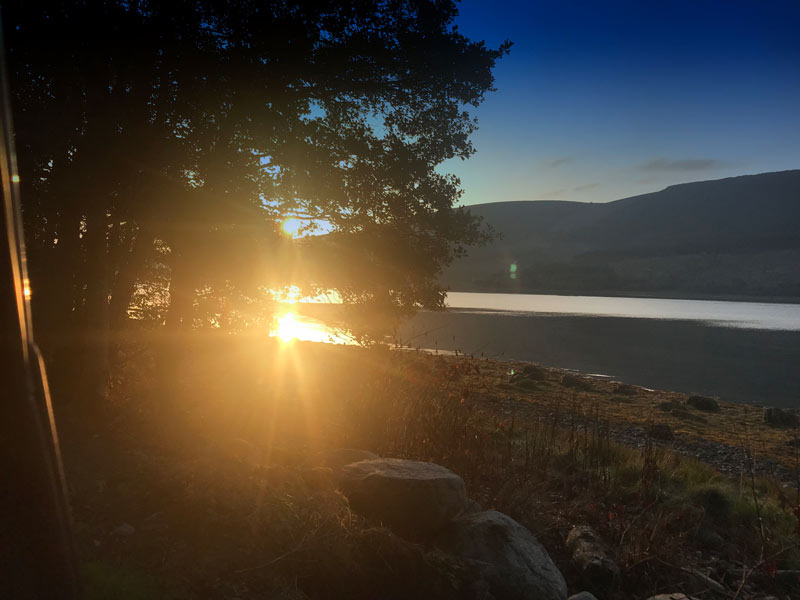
<point x="739" y="351"/>
<point x="746" y="315"/>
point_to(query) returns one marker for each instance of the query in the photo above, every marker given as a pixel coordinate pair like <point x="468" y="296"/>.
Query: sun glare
<point x="288" y="328"/>
<point x="291" y="226"/>
<point x="291" y="295"/>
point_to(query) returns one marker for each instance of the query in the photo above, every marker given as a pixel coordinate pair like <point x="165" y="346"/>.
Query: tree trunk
<point x="131" y="264"/>
<point x="96" y="332"/>
<point x="181" y="295"/>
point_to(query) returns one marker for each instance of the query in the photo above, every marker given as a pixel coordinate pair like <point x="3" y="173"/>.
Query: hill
<point x="736" y="236"/>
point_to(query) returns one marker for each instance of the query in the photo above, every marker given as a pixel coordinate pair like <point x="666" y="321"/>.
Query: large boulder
<point x="594" y="560"/>
<point x="414" y="499"/>
<point x="336" y="458"/>
<point x="514" y="563"/>
<point x="703" y="403"/>
<point x="778" y="417"/>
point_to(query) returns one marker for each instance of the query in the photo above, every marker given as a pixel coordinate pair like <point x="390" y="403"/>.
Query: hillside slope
<point x="736" y="236"/>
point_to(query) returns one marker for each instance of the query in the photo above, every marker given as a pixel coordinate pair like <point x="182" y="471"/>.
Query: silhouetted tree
<point x="179" y="134"/>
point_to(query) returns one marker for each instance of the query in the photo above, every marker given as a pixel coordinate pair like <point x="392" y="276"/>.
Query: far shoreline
<point x="627" y="294"/>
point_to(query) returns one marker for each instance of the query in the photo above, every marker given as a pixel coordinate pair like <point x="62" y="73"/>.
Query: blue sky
<point x="601" y="100"/>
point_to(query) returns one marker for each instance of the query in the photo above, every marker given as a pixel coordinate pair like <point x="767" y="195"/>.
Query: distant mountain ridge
<point x="736" y="236"/>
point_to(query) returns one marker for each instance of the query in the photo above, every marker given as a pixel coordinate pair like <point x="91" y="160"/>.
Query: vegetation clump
<point x="679" y="410"/>
<point x="626" y="389"/>
<point x="576" y="382"/>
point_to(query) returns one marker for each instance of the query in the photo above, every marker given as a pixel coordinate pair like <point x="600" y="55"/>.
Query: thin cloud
<point x="551" y="195"/>
<point x="686" y="164"/>
<point x="557" y="162"/>
<point x="588" y="186"/>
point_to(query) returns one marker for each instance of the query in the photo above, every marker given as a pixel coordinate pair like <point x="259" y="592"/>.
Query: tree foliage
<point x="177" y="135"/>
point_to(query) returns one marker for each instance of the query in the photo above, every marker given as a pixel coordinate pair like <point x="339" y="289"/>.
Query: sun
<point x="289" y="328"/>
<point x="291" y="226"/>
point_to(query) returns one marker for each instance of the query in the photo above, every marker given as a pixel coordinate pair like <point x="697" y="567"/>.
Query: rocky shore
<point x="733" y="438"/>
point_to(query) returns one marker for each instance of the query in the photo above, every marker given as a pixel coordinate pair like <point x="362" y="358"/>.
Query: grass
<point x="624" y="404"/>
<point x="202" y="450"/>
<point x="102" y="581"/>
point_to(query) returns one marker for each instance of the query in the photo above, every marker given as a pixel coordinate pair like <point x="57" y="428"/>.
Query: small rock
<point x="675" y="596"/>
<point x="703" y="403"/>
<point x="661" y="431"/>
<point x="516" y="565"/>
<point x="778" y="417"/>
<point x="594" y="560"/>
<point x="414" y="499"/>
<point x="582" y="596"/>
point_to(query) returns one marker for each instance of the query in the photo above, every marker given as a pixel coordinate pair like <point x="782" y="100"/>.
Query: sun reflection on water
<point x="287" y="327"/>
<point x="290" y="326"/>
